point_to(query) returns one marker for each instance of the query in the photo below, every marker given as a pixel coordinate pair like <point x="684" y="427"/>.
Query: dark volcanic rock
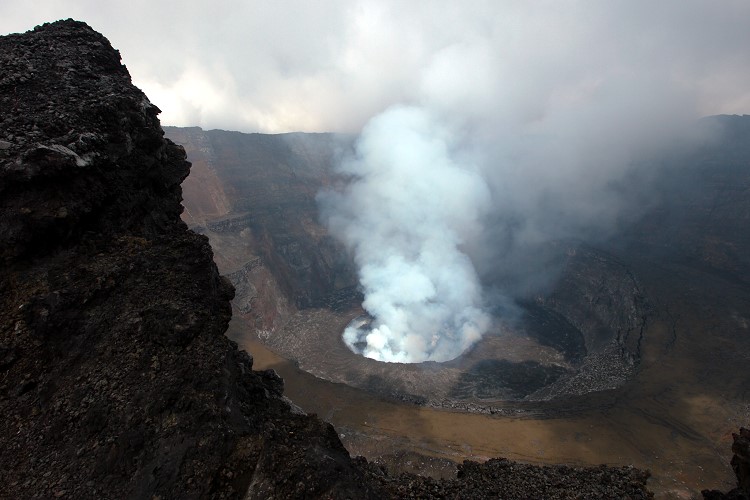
<point x="741" y="460"/>
<point x="741" y="466"/>
<point x="116" y="380"/>
<point x="501" y="478"/>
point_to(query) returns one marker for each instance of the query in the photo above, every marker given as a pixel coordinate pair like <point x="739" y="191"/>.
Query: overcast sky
<point x="330" y="65"/>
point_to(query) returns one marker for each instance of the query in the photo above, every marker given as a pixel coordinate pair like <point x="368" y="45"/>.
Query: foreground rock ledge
<point x="116" y="380"/>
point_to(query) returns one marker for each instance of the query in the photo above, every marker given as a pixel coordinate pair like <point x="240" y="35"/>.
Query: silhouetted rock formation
<point x="741" y="466"/>
<point x="116" y="380"/>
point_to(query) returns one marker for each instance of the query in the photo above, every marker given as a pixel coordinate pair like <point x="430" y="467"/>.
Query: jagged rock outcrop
<point x="741" y="460"/>
<point x="741" y="465"/>
<point x="116" y="380"/>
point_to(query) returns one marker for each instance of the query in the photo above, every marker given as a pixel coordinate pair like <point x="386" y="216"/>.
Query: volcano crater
<point x="579" y="338"/>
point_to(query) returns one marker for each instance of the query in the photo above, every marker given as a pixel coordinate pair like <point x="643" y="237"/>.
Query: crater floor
<point x="511" y="363"/>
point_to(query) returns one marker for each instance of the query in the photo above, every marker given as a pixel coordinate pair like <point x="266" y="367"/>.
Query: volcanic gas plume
<point x="494" y="144"/>
<point x="405" y="214"/>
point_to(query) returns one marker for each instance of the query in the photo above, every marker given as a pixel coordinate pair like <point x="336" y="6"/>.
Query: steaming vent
<point x="406" y="213"/>
<point x="355" y="334"/>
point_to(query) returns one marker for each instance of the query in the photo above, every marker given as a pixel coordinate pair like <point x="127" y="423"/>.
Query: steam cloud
<point x="405" y="215"/>
<point x="505" y="144"/>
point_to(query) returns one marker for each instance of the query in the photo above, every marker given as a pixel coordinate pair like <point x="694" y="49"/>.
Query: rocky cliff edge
<point x="115" y="377"/>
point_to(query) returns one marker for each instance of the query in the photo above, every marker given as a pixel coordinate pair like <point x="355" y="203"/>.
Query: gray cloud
<point x="332" y="65"/>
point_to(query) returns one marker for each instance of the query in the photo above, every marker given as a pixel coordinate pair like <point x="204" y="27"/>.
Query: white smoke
<point x="405" y="214"/>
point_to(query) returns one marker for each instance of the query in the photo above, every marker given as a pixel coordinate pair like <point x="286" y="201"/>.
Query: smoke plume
<point x="405" y="214"/>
